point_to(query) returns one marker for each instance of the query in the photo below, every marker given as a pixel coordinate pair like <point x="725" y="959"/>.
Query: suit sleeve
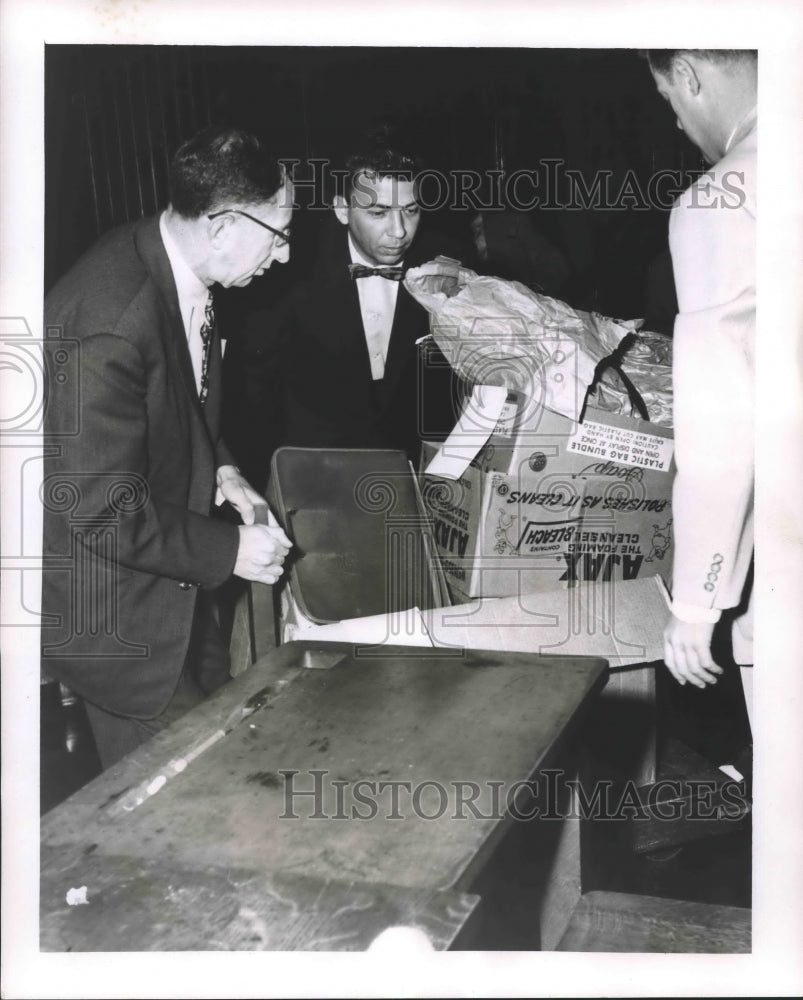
<point x="713" y="256"/>
<point x="106" y="465"/>
<point x="222" y="454"/>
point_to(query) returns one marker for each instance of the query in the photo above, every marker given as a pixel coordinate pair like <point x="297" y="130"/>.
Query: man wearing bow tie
<point x="339" y="366"/>
<point x="131" y="553"/>
<point x="382" y="218"/>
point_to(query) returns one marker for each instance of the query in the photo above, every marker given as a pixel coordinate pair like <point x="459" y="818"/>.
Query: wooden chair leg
<point x="254" y="629"/>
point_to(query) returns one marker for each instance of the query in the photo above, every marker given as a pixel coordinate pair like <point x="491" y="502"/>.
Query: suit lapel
<point x="174" y="339"/>
<point x="410" y="320"/>
<point x="152" y="251"/>
<point x="404" y="328"/>
<point x="346" y="304"/>
<point x="342" y="302"/>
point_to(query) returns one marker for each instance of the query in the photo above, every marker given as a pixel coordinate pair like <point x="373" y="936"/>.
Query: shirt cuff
<point x="694" y="614"/>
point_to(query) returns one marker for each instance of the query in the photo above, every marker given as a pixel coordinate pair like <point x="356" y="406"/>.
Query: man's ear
<point x="340" y="205"/>
<point x="685" y="71"/>
<point x="217" y="228"/>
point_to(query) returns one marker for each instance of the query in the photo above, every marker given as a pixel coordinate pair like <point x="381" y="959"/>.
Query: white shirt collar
<point x="743" y="127"/>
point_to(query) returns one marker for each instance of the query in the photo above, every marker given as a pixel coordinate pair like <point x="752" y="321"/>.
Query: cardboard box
<point x="550" y="501"/>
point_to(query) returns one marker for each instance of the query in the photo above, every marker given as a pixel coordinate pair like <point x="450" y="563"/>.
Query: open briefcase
<point x="362" y="540"/>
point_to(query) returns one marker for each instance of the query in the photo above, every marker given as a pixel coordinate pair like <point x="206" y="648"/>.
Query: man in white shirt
<point x="382" y="217"/>
<point x="133" y="453"/>
<point x="712" y="240"/>
<point x="339" y="359"/>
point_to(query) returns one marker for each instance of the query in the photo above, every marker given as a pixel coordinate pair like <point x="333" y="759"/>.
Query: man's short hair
<point x="380" y="154"/>
<point x="219" y="167"/>
<point x="660" y="60"/>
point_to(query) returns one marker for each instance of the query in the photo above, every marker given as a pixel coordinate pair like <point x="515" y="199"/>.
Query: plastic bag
<point x="496" y="332"/>
<point x="648" y="365"/>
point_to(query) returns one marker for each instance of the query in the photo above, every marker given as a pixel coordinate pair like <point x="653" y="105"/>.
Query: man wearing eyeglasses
<point x="134" y="456"/>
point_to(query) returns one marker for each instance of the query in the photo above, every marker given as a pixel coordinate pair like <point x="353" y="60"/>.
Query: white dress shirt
<point x="377" y="306"/>
<point x="193" y="296"/>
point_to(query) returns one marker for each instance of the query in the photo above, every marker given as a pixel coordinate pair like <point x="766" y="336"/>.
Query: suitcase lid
<point x="362" y="539"/>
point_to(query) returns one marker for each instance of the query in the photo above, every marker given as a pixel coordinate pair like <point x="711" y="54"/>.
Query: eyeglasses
<point x="281" y="238"/>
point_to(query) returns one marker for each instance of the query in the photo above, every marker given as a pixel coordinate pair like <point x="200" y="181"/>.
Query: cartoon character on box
<point x="661" y="541"/>
<point x="503" y="542"/>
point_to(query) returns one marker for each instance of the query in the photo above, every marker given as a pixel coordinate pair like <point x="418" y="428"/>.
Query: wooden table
<point x="191" y="841"/>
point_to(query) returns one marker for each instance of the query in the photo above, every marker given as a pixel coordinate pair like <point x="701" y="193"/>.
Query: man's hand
<point x="232" y="486"/>
<point x="687" y="652"/>
<point x="263" y="547"/>
<point x="261" y="553"/>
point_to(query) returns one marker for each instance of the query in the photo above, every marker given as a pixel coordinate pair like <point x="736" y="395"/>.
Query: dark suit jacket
<point x="129" y="478"/>
<point x="308" y="374"/>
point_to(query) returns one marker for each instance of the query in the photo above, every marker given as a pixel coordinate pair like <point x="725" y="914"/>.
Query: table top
<point x="409" y="753"/>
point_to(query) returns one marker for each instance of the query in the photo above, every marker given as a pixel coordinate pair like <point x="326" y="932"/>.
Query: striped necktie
<point x="207" y="329"/>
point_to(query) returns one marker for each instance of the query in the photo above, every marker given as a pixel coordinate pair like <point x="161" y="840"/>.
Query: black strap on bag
<point x="614" y="361"/>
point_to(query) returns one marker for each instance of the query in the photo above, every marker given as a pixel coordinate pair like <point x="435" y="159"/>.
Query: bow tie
<point x="361" y="271"/>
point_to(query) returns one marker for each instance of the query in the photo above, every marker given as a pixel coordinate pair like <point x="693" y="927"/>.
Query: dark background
<point x="115" y="114"/>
